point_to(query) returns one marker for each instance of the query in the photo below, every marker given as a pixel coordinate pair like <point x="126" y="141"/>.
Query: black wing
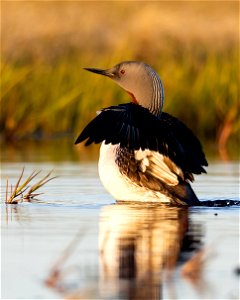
<point x="135" y="127"/>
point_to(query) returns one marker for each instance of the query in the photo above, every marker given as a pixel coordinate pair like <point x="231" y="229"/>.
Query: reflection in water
<point x="17" y="213"/>
<point x="137" y="244"/>
<point x="139" y="247"/>
<point x="56" y="242"/>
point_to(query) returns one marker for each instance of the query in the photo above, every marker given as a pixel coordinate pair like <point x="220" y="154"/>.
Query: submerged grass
<point x="17" y="193"/>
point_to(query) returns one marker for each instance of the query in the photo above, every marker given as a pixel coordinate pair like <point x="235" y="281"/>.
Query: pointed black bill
<point x="100" y="71"/>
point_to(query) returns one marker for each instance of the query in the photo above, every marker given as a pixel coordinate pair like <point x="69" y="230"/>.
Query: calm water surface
<point x="77" y="243"/>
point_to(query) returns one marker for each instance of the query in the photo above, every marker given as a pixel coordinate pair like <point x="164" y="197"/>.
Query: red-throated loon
<point x="146" y="154"/>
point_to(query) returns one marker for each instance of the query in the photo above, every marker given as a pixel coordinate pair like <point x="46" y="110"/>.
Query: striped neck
<point x="156" y="103"/>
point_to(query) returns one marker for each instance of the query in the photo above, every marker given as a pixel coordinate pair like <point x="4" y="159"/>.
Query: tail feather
<point x="184" y="192"/>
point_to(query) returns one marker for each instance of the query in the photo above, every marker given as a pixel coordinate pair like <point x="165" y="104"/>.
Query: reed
<point x="21" y="191"/>
<point x="62" y="99"/>
<point x="45" y="92"/>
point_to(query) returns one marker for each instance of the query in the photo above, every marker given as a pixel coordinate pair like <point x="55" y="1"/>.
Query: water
<point x="77" y="243"/>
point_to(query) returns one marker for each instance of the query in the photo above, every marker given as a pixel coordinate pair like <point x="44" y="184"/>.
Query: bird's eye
<point x="122" y="71"/>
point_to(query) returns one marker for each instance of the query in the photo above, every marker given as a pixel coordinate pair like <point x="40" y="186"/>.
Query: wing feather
<point x="153" y="163"/>
<point x="134" y="127"/>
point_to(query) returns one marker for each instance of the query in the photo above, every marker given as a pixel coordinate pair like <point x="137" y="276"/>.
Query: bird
<point x="146" y="154"/>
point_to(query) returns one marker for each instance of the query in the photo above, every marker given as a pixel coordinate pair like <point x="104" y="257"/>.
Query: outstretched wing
<point x="134" y="127"/>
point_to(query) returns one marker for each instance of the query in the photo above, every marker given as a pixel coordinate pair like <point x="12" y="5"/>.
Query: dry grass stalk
<point x="17" y="193"/>
<point x="193" y="267"/>
<point x="192" y="270"/>
<point x="37" y="185"/>
<point x="56" y="279"/>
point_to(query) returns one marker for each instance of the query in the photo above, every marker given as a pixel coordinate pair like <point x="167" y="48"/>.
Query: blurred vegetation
<point x="193" y="46"/>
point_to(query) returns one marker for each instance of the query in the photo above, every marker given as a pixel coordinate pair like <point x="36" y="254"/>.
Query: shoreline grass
<point x="62" y="99"/>
<point x="22" y="191"/>
<point x="45" y="92"/>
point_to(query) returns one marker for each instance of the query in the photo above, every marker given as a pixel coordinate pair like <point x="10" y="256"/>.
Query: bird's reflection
<point x="138" y="245"/>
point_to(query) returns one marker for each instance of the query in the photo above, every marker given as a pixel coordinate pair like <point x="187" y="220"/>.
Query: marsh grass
<point x="22" y="191"/>
<point x="46" y="93"/>
<point x="41" y="101"/>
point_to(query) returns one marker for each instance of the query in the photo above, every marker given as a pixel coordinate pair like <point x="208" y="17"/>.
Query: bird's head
<point x="139" y="80"/>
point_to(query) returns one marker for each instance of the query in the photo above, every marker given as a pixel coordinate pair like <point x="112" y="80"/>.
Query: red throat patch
<point x="134" y="100"/>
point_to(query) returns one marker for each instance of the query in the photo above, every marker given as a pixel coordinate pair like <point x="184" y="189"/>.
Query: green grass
<point x="44" y="100"/>
<point x="46" y="93"/>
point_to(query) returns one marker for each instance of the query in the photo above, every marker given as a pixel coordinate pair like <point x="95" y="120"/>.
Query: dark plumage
<point x="134" y="127"/>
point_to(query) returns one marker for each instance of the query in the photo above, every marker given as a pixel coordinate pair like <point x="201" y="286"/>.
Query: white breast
<point x="119" y="185"/>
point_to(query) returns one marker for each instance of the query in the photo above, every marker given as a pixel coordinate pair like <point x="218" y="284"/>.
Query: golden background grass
<point x="194" y="46"/>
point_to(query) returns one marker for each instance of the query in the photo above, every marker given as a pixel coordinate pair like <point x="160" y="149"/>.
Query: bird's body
<point x="127" y="182"/>
<point x="119" y="182"/>
<point x="146" y="154"/>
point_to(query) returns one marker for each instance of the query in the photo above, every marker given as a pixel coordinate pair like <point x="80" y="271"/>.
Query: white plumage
<point x="122" y="187"/>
